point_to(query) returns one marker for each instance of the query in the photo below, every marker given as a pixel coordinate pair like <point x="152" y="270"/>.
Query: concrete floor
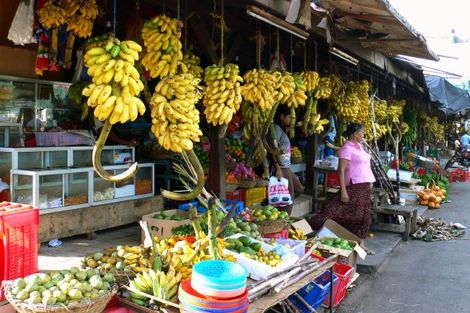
<point x="73" y="249"/>
<point x="421" y="277"/>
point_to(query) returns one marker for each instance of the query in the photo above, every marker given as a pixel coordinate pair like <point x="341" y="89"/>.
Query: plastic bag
<point x="278" y="192"/>
<point x="21" y="29"/>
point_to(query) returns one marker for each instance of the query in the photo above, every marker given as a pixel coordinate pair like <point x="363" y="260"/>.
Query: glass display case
<point x="111" y="155"/>
<point x="11" y="135"/>
<point x="72" y="188"/>
<point x="59" y="157"/>
<point x="52" y="190"/>
<point x="36" y="104"/>
<point x="138" y="186"/>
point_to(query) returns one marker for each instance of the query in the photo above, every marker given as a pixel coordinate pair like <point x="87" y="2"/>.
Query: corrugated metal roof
<point x="377" y="26"/>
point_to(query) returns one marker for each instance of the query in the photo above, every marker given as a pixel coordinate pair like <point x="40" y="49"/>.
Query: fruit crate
<point x="296" y="247"/>
<point x="466" y="176"/>
<point x="238" y="195"/>
<point x="314" y="293"/>
<point x="343" y="272"/>
<point x="254" y="195"/>
<point x="19" y="236"/>
<point x="258" y="270"/>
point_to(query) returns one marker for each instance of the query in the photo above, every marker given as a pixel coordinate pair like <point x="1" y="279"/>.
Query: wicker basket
<point x="262" y="183"/>
<point x="296" y="160"/>
<point x="247" y="183"/>
<point x="269" y="227"/>
<point x="91" y="306"/>
<point x="231" y="187"/>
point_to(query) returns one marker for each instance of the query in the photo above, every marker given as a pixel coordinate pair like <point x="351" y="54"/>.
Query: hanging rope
<point x="222" y="24"/>
<point x="178" y="9"/>
<point x="258" y="43"/>
<point x="316" y="55"/>
<point x="291" y="54"/>
<point x="114" y="16"/>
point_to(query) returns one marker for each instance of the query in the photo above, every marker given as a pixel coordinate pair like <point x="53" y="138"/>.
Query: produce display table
<point x="410" y="213"/>
<point x="260" y="305"/>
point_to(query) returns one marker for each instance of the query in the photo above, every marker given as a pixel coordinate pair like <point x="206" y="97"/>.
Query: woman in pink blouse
<point x="351" y="207"/>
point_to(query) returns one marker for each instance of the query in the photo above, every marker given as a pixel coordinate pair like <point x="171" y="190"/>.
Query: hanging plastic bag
<point x="21" y="29"/>
<point x="278" y="192"/>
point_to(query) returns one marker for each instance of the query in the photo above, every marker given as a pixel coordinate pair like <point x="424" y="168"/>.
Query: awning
<point x="377" y="26"/>
<point x="451" y="99"/>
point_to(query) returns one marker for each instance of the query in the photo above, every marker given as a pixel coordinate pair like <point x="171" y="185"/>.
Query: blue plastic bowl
<point x="220" y="272"/>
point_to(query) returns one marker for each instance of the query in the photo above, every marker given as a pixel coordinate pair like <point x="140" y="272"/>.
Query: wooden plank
<point x="217" y="164"/>
<point x="393" y="228"/>
<point x="87" y="220"/>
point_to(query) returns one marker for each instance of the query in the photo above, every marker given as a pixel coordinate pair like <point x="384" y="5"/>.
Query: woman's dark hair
<point x="282" y="110"/>
<point x="351" y="129"/>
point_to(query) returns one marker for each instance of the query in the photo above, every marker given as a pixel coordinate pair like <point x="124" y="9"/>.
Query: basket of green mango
<point x="67" y="291"/>
<point x="269" y="219"/>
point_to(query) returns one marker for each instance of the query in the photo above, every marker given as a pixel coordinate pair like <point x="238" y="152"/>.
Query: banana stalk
<point x="97" y="149"/>
<point x="308" y="111"/>
<point x="212" y="225"/>
<point x="195" y="221"/>
<point x="292" y="123"/>
<point x="190" y="157"/>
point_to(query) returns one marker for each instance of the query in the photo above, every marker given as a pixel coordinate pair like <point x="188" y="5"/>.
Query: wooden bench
<point x="410" y="214"/>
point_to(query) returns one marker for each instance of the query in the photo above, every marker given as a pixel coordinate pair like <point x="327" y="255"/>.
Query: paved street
<point x="421" y="277"/>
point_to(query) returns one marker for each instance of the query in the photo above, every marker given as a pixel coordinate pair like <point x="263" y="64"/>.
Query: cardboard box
<point x="162" y="228"/>
<point x="334" y="230"/>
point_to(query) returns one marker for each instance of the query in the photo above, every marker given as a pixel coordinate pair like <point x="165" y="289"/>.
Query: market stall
<point x="236" y="114"/>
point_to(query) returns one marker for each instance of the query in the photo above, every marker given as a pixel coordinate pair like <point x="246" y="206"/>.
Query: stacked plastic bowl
<point x="215" y="287"/>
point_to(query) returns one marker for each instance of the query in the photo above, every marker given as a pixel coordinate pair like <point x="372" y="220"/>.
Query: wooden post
<point x="310" y="160"/>
<point x="217" y="164"/>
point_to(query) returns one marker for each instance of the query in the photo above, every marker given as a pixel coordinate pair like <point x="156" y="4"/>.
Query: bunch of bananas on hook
<point x="299" y="96"/>
<point x="222" y="95"/>
<point x="259" y="89"/>
<point x="310" y="79"/>
<point x="161" y="37"/>
<point x="116" y="82"/>
<point x="192" y="64"/>
<point x="175" y="119"/>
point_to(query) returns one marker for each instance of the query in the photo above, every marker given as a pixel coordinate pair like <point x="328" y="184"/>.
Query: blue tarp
<point x="451" y="99"/>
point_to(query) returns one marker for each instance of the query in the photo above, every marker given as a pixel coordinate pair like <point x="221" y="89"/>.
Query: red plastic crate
<point x="466" y="175"/>
<point x="344" y="273"/>
<point x="332" y="180"/>
<point x="19" y="240"/>
<point x="236" y="195"/>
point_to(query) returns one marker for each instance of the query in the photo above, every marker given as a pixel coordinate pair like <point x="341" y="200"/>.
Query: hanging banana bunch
<point x="364" y="115"/>
<point x="175" y="119"/>
<point x="296" y="99"/>
<point x="79" y="16"/>
<point x="175" y="123"/>
<point x="252" y="115"/>
<point x="222" y="95"/>
<point x="113" y="92"/>
<point x="192" y="64"/>
<point x="311" y="80"/>
<point x="82" y="15"/>
<point x="324" y="88"/>
<point x="410" y="118"/>
<point x="259" y="88"/>
<point x="52" y="15"/>
<point x="161" y="37"/>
